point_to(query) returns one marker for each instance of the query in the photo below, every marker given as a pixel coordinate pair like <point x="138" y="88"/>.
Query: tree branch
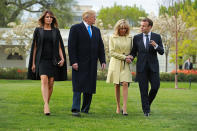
<point x="33" y="11"/>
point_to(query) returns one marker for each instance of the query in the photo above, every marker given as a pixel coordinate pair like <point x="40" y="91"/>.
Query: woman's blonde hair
<point x="122" y="24"/>
<point x="88" y="13"/>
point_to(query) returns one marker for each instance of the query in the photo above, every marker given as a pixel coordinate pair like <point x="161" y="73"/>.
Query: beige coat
<point x="119" y="70"/>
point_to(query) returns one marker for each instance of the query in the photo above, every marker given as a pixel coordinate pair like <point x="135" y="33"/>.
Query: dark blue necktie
<point x="89" y="31"/>
<point x="147" y="42"/>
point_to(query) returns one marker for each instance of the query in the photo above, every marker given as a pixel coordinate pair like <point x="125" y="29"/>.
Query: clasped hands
<point x="129" y="59"/>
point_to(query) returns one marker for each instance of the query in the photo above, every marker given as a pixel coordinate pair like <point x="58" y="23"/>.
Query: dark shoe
<point x="76" y="113"/>
<point x="124" y="113"/>
<point x="147" y="114"/>
<point x="47" y="114"/>
<point x="86" y="112"/>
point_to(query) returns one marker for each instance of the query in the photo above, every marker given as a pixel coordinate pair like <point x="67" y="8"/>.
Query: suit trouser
<point x="87" y="98"/>
<point x="143" y="79"/>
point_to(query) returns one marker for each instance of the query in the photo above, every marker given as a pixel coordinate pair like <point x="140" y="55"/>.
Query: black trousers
<point x="147" y="96"/>
<point x="87" y="98"/>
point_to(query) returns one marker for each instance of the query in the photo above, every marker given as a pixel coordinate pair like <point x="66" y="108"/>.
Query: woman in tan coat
<point x="119" y="72"/>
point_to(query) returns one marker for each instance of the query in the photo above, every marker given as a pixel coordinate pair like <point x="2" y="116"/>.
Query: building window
<point x="16" y="56"/>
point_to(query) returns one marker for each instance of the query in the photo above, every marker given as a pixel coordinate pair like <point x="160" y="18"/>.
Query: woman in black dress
<point x="47" y="58"/>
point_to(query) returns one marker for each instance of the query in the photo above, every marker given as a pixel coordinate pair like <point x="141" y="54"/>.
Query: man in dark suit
<point x="188" y="65"/>
<point x="85" y="47"/>
<point x="146" y="46"/>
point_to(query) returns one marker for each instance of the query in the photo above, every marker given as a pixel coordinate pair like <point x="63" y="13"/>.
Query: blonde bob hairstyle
<point x="121" y="24"/>
<point x="88" y="13"/>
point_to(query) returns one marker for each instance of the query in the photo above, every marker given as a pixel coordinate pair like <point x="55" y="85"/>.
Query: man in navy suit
<point x="146" y="46"/>
<point x="85" y="48"/>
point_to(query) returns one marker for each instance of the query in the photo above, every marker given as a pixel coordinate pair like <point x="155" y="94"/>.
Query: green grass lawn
<point x="21" y="108"/>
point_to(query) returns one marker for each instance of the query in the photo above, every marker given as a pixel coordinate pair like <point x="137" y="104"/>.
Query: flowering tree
<point x="20" y="35"/>
<point x="165" y="26"/>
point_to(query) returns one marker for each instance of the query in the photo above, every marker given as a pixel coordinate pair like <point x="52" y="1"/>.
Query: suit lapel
<point x="142" y="41"/>
<point x="85" y="30"/>
<point x="93" y="32"/>
<point x="152" y="37"/>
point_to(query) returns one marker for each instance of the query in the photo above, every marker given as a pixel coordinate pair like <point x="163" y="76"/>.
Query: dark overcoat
<point x="86" y="52"/>
<point x="38" y="36"/>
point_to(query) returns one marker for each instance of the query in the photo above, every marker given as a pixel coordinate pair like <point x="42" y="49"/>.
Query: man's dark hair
<point x="150" y="22"/>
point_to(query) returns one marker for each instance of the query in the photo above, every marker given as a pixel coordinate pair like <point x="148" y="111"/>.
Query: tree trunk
<point x="194" y="59"/>
<point x="166" y="67"/>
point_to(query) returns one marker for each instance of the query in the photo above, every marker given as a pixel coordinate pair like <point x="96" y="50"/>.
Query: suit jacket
<point x="188" y="66"/>
<point x="85" y="51"/>
<point x="38" y="36"/>
<point x="147" y="57"/>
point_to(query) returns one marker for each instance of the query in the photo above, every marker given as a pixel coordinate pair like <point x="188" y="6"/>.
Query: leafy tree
<point x="110" y="15"/>
<point x="62" y="10"/>
<point x="176" y="7"/>
<point x="187" y="46"/>
<point x="5" y="13"/>
<point x="11" y="9"/>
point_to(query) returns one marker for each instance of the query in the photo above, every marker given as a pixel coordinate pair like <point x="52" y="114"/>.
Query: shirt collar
<point x="149" y="34"/>
<point x="85" y="24"/>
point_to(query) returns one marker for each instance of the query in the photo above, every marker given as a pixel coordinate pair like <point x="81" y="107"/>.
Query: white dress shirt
<point x="149" y="36"/>
<point x="87" y="26"/>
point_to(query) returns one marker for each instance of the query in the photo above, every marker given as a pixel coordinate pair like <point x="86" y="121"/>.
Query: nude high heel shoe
<point x="46" y="110"/>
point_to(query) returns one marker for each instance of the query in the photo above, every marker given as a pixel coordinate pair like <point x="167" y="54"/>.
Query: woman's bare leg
<point x="117" y="93"/>
<point x="125" y="96"/>
<point x="51" y="82"/>
<point x="45" y="92"/>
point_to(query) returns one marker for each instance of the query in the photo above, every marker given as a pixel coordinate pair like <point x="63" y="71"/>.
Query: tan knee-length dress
<point x="119" y="70"/>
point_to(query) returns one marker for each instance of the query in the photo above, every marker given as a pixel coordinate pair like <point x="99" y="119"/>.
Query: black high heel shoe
<point x="47" y="114"/>
<point x="124" y="113"/>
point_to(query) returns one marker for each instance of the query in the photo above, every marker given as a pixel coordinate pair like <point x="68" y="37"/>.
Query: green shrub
<point x="181" y="77"/>
<point x="20" y="74"/>
<point x="166" y="76"/>
<point x="13" y="73"/>
<point x="16" y="73"/>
